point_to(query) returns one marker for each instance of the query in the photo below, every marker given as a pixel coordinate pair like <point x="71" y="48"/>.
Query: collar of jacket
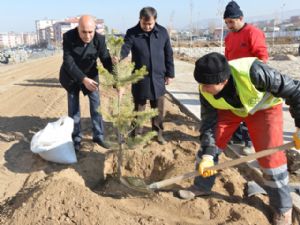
<point x="245" y="24"/>
<point x="77" y="37"/>
<point x="229" y="93"/>
<point x="141" y="32"/>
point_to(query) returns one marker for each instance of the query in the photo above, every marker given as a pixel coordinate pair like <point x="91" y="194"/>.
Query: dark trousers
<point x="157" y="121"/>
<point x="242" y="135"/>
<point x="96" y="118"/>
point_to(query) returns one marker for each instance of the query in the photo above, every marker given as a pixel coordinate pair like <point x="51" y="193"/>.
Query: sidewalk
<point x="185" y="89"/>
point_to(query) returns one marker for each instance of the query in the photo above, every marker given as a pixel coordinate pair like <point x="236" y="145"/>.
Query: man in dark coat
<point x="150" y="45"/>
<point x="82" y="46"/>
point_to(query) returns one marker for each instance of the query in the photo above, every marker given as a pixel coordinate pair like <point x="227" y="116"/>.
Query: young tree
<point x="120" y="110"/>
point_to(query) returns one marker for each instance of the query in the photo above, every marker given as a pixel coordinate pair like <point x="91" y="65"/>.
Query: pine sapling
<point x="120" y="110"/>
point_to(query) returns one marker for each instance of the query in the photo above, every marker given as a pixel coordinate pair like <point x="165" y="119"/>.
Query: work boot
<point x="160" y="138"/>
<point x="283" y="218"/>
<point x="192" y="192"/>
<point x="248" y="149"/>
<point x="77" y="146"/>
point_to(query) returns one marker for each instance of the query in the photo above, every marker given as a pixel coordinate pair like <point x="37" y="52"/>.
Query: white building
<point x="60" y="28"/>
<point x="11" y="39"/>
<point x="4" y="40"/>
<point x="100" y="27"/>
<point x="51" y="31"/>
<point x="41" y="29"/>
<point x="30" y="38"/>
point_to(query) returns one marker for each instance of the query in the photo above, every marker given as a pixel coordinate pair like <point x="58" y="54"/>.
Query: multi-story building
<point x="11" y="39"/>
<point x="41" y="29"/>
<point x="100" y="27"/>
<point x="59" y="28"/>
<point x="30" y="38"/>
<point x="4" y="40"/>
<point x="51" y="32"/>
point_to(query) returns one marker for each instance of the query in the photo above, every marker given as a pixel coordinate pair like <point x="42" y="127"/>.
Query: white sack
<point x="54" y="143"/>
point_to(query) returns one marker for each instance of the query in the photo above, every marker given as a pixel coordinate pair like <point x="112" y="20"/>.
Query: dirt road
<point x="33" y="191"/>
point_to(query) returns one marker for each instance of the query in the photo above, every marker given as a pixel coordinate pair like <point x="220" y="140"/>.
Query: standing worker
<point x="150" y="45"/>
<point x="232" y="93"/>
<point x="243" y="40"/>
<point x="81" y="48"/>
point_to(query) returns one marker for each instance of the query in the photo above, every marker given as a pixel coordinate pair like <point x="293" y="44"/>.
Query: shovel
<point x="157" y="185"/>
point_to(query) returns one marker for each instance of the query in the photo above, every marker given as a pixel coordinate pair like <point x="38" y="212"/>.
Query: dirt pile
<point x="63" y="198"/>
<point x="33" y="191"/>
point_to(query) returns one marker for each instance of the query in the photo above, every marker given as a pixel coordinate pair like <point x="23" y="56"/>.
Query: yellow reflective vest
<point x="251" y="99"/>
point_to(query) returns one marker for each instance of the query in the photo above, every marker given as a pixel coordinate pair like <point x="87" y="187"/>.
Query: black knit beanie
<point x="212" y="68"/>
<point x="232" y="10"/>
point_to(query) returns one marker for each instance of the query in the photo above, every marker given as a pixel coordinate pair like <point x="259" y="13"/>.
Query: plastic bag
<point x="54" y="143"/>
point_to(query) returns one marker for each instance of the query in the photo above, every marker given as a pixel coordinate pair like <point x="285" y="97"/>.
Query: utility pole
<point x="197" y="28"/>
<point x="191" y="23"/>
<point x="283" y="5"/>
<point x="220" y="13"/>
<point x="281" y="17"/>
<point x="171" y="26"/>
<point x="274" y="26"/>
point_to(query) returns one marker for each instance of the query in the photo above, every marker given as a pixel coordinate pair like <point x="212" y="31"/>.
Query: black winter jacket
<point x="265" y="79"/>
<point x="80" y="61"/>
<point x="153" y="50"/>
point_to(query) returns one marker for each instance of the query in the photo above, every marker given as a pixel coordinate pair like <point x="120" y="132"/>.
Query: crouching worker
<point x="245" y="90"/>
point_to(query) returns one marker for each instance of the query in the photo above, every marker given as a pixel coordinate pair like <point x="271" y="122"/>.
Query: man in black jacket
<point x="81" y="48"/>
<point x="245" y="90"/>
<point x="150" y="45"/>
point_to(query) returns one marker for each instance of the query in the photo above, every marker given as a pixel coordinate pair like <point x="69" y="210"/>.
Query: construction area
<point x="35" y="191"/>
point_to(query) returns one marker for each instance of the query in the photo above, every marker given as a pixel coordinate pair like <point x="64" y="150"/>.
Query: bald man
<point x="81" y="48"/>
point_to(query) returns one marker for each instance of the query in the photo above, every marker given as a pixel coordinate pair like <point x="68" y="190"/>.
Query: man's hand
<point x="115" y="60"/>
<point x="90" y="84"/>
<point x="121" y="92"/>
<point x="296" y="138"/>
<point x="207" y="161"/>
<point x="168" y="80"/>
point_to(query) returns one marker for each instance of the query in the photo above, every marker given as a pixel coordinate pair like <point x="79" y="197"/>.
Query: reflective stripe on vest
<point x="251" y="99"/>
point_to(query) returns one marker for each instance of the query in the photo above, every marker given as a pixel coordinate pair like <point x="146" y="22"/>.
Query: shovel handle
<point x="253" y="156"/>
<point x="227" y="164"/>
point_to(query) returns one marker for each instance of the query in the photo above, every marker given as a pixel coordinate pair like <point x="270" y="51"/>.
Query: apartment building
<point x="43" y="30"/>
<point x="51" y="31"/>
<point x="30" y="38"/>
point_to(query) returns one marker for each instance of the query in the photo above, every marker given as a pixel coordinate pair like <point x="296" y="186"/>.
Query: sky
<point x="20" y="15"/>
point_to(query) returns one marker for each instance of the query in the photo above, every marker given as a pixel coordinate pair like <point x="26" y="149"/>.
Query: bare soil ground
<point x="34" y="191"/>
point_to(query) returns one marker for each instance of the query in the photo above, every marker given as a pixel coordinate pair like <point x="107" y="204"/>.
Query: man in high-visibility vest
<point x="245" y="90"/>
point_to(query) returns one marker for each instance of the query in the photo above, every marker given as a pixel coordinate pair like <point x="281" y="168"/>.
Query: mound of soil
<point x="63" y="198"/>
<point x="34" y="191"/>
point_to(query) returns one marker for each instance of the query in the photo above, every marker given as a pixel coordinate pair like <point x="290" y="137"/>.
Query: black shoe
<point x="161" y="140"/>
<point x="77" y="146"/>
<point x="236" y="141"/>
<point x="101" y="142"/>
